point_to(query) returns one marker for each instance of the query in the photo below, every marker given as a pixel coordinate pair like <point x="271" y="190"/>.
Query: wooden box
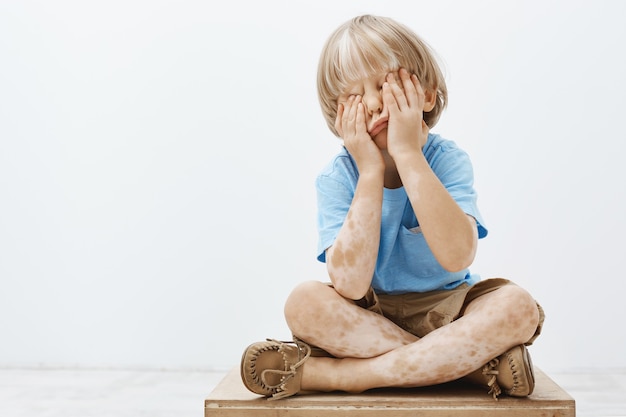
<point x="230" y="398"/>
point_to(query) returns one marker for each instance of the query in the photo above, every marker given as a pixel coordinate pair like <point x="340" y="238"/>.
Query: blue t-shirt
<point x="405" y="262"/>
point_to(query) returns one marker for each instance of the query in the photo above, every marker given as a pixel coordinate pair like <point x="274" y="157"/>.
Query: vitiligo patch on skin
<point x="446" y="353"/>
<point x="355" y="332"/>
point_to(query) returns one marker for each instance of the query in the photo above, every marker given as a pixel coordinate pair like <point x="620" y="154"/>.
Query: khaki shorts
<point x="421" y="313"/>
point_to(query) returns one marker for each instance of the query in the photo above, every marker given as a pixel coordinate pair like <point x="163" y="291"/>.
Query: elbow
<point x="458" y="261"/>
<point x="352" y="292"/>
<point x="459" y="256"/>
<point x="348" y="288"/>
<point x="455" y="265"/>
<point x="348" y="280"/>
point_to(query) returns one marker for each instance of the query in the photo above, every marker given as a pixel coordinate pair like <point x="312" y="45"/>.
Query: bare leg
<point x="317" y="314"/>
<point x="491" y="324"/>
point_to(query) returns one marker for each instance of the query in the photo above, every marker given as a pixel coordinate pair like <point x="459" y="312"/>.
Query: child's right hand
<point x="351" y="126"/>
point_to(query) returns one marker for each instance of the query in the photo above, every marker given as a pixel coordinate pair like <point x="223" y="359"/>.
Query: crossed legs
<point x="373" y="352"/>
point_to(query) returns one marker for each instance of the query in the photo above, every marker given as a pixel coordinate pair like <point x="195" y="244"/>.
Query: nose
<point x="373" y="100"/>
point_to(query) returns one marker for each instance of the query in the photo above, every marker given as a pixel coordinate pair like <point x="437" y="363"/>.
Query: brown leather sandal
<point x="273" y="368"/>
<point x="511" y="373"/>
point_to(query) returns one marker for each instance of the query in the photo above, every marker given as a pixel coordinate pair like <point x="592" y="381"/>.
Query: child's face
<point x="376" y="113"/>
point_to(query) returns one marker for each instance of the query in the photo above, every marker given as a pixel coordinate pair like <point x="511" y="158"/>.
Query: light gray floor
<point x="113" y="393"/>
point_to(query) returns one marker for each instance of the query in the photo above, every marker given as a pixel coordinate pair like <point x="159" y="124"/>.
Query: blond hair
<point x="369" y="45"/>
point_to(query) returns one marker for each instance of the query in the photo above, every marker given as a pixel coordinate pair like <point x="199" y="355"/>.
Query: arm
<point x="451" y="234"/>
<point x="351" y="260"/>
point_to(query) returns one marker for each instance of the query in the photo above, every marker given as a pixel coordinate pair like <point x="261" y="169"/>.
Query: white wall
<point x="157" y="161"/>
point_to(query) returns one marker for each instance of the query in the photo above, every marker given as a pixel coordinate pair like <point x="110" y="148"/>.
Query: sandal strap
<point x="286" y="375"/>
<point x="490" y="370"/>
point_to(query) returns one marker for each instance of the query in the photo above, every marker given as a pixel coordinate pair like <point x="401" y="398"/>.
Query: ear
<point x="430" y="99"/>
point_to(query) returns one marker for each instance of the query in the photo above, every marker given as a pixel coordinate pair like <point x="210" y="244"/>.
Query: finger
<point x="389" y="99"/>
<point x="352" y="114"/>
<point x="419" y="91"/>
<point x="361" y="126"/>
<point x="338" y="119"/>
<point x="346" y="114"/>
<point x="397" y="91"/>
<point x="410" y="90"/>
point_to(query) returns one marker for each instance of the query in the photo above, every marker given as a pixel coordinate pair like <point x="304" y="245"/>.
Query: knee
<point x="521" y="314"/>
<point x="303" y="304"/>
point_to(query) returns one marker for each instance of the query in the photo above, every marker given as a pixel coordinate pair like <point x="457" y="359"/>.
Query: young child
<point x="398" y="229"/>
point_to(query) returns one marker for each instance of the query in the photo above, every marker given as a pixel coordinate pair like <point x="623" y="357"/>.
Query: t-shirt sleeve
<point x="333" y="202"/>
<point x="454" y="169"/>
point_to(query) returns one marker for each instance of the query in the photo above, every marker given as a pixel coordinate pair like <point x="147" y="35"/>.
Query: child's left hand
<point x="407" y="131"/>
